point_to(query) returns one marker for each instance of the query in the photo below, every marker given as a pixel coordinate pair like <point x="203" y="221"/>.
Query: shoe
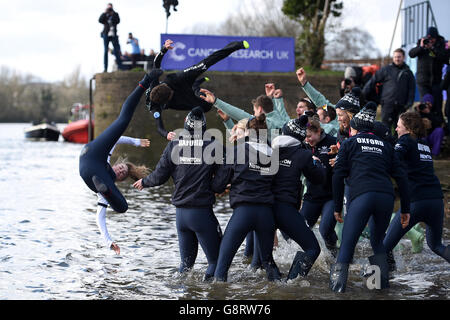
<point x="99" y="185"/>
<point x="391" y="262"/>
<point x="338" y="277"/>
<point x="272" y="271"/>
<point x="332" y="247"/>
<point x="245" y="44"/>
<point x="381" y="261"/>
<point x="300" y="266"/>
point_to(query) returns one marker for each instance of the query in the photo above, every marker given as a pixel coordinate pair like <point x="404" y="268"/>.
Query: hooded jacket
<point x="294" y="161"/>
<point x="248" y="169"/>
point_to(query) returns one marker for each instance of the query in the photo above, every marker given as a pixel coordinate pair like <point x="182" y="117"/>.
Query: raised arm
<point x="232" y="111"/>
<point x="166" y="47"/>
<point x="316" y="97"/>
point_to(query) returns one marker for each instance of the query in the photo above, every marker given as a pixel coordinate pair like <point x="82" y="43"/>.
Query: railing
<point x="416" y="20"/>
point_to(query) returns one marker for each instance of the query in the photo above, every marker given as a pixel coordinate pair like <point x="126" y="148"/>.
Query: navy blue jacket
<point x="248" y="183"/>
<point x="294" y="160"/>
<point x="191" y="175"/>
<point x="416" y="155"/>
<point x="322" y="192"/>
<point x="368" y="162"/>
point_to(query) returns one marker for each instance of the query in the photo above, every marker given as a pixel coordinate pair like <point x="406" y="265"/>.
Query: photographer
<point x="110" y="19"/>
<point x="432" y="123"/>
<point x="398" y="88"/>
<point x="431" y="55"/>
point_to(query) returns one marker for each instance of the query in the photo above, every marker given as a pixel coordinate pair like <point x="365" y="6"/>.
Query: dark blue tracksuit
<point x="251" y="198"/>
<point x="94" y="155"/>
<point x="193" y="199"/>
<point x="426" y="196"/>
<point x="294" y="160"/>
<point x="319" y="198"/>
<point x="368" y="163"/>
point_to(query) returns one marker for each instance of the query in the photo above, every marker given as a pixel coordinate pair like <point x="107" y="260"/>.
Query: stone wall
<point x="238" y="89"/>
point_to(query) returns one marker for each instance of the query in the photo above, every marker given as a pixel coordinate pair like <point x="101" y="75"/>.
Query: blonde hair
<point x="242" y="124"/>
<point x="134" y="172"/>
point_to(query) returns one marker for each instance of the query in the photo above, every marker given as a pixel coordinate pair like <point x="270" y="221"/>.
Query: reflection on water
<point x="50" y="247"/>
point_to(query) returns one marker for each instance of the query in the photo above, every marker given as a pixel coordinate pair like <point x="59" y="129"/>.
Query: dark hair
<point x="329" y="112"/>
<point x="413" y="122"/>
<point x="161" y="94"/>
<point x="400" y="50"/>
<point x="257" y="123"/>
<point x="265" y="102"/>
<point x="309" y="104"/>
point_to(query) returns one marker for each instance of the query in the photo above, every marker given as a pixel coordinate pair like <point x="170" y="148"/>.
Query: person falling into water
<point x="94" y="167"/>
<point x="181" y="90"/>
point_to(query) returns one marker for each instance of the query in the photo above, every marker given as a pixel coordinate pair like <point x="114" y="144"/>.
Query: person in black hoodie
<point x="368" y="163"/>
<point x="294" y="161"/>
<point x="185" y="161"/>
<point x="431" y="57"/>
<point x="425" y="189"/>
<point x="181" y="90"/>
<point x="250" y="170"/>
<point x="318" y="200"/>
<point x="399" y="88"/>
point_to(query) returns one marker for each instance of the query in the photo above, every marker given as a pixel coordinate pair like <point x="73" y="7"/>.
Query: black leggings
<point x="94" y="155"/>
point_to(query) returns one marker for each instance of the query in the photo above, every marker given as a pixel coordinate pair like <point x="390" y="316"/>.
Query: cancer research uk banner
<point x="264" y="55"/>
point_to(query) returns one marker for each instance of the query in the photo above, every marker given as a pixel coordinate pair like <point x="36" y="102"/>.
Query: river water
<point x="50" y="247"/>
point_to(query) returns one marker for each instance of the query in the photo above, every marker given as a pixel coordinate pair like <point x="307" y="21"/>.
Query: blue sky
<point x="50" y="38"/>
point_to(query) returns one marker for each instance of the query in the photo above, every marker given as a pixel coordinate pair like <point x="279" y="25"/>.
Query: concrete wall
<point x="112" y="89"/>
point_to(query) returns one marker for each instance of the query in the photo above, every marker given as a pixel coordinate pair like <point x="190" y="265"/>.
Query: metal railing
<point x="416" y="20"/>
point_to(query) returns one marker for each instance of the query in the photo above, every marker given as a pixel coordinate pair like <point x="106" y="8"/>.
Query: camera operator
<point x="110" y="19"/>
<point x="433" y="124"/>
<point x="431" y="55"/>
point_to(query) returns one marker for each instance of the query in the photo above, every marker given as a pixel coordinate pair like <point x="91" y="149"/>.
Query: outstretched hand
<point x="278" y="94"/>
<point x="138" y="185"/>
<point x="145" y="143"/>
<point x="208" y="96"/>
<point x="115" y="247"/>
<point x="223" y="115"/>
<point x="168" y="44"/>
<point x="171" y="135"/>
<point x="301" y="76"/>
<point x="270" y="89"/>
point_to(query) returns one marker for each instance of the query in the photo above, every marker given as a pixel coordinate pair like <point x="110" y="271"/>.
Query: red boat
<point x="77" y="130"/>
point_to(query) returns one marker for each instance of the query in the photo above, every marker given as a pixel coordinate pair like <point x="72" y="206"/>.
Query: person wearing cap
<point x="193" y="196"/>
<point x="250" y="171"/>
<point x="399" y="88"/>
<point x="431" y="57"/>
<point x="425" y="189"/>
<point x="368" y="164"/>
<point x="433" y="124"/>
<point x="181" y="90"/>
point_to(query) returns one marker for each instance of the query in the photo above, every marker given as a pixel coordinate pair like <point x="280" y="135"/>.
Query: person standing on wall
<point x="110" y="19"/>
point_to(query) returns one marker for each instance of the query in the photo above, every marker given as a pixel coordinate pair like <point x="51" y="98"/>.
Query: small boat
<point x="43" y="131"/>
<point x="77" y="130"/>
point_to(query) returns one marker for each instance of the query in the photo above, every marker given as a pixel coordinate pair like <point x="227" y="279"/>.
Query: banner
<point x="264" y="55"/>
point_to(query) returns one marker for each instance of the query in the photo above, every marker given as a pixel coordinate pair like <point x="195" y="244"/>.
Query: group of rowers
<point x="280" y="173"/>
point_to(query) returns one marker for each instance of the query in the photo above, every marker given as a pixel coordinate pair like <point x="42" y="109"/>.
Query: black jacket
<point x="104" y="20"/>
<point x="190" y="173"/>
<point x="368" y="163"/>
<point x="293" y="161"/>
<point x="186" y="92"/>
<point x="322" y="192"/>
<point x="430" y="62"/>
<point x="249" y="172"/>
<point x="423" y="183"/>
<point x="399" y="85"/>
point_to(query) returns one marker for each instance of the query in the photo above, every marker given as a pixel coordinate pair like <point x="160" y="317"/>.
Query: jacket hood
<point x="285" y="141"/>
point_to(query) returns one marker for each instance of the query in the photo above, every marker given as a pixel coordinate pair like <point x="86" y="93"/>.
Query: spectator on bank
<point x="433" y="124"/>
<point x="110" y="19"/>
<point x="135" y="49"/>
<point x="398" y="90"/>
<point x="431" y="56"/>
<point x="355" y="76"/>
